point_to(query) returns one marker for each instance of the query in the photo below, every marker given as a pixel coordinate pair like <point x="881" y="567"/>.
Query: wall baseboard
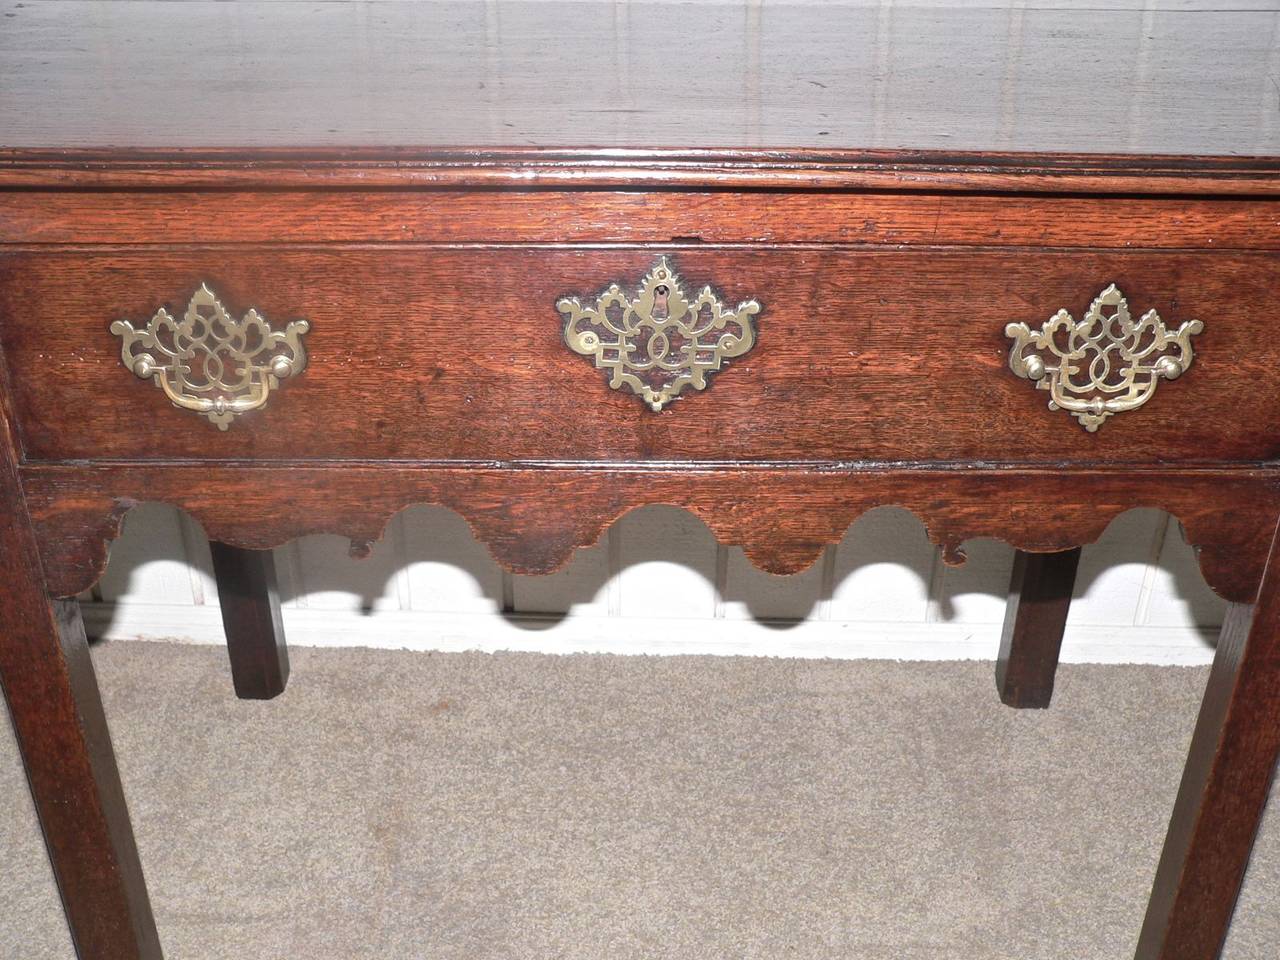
<point x="394" y="629"/>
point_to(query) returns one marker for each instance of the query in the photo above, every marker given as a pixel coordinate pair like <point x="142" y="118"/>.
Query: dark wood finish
<point x="328" y="183"/>
<point x="724" y="215"/>
<point x="645" y="168"/>
<point x="532" y="517"/>
<point x="1034" y="620"/>
<point x="486" y="375"/>
<point x="1191" y="77"/>
<point x="62" y="734"/>
<point x="250" y="604"/>
<point x="1224" y="786"/>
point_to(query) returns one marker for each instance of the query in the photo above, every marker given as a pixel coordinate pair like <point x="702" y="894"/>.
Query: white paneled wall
<point x="659" y="583"/>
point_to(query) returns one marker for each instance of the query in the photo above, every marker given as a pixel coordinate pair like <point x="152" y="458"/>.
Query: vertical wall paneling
<point x="657" y="582"/>
<point x="1178" y="594"/>
<point x="974" y="592"/>
<point x="204" y="588"/>
<point x="333" y="580"/>
<point x="398" y="543"/>
<point x="581" y="586"/>
<point x="721" y="580"/>
<point x="883" y="569"/>
<point x="448" y="569"/>
<point x="1149" y="573"/>
<point x="748" y="592"/>
<point x="1267" y="121"/>
<point x="150" y="561"/>
<point x="1009" y="82"/>
<point x="613" y="590"/>
<point x="668" y="564"/>
<point x="293" y="591"/>
<point x="1113" y="572"/>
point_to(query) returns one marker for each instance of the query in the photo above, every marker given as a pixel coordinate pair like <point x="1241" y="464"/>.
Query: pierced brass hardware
<point x="210" y="363"/>
<point x="1106" y="363"/>
<point x="660" y="342"/>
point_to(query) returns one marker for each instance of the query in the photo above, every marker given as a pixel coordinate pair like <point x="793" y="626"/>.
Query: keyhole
<point x="660" y="301"/>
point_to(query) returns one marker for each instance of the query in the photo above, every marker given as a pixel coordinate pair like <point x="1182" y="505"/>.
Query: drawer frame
<point x="58" y="518"/>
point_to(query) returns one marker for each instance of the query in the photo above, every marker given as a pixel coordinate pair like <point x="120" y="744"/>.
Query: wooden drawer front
<point x="457" y="352"/>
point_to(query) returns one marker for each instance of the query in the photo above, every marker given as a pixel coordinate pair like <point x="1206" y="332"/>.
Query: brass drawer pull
<point x="1106" y="363"/>
<point x="660" y="342"/>
<point x="210" y="363"/>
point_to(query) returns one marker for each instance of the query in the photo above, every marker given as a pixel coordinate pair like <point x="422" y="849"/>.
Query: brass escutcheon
<point x="660" y="342"/>
<point x="209" y="363"/>
<point x="1105" y="364"/>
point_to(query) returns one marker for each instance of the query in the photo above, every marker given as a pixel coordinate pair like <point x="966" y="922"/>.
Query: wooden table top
<point x="1189" y="77"/>
<point x="898" y="190"/>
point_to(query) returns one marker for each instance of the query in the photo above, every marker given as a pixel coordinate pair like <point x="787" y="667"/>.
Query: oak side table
<point x="1017" y="315"/>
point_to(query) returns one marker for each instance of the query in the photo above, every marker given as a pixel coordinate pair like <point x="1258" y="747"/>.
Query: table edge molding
<point x="647" y="169"/>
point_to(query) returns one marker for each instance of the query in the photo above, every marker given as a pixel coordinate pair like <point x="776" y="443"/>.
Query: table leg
<point x="1035" y="617"/>
<point x="1224" y="786"/>
<point x="251" y="618"/>
<point x="62" y="734"/>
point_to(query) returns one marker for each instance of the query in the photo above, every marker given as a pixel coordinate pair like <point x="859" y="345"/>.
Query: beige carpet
<point x="398" y="805"/>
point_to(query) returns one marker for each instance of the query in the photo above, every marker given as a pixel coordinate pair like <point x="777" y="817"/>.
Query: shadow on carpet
<point x="394" y="806"/>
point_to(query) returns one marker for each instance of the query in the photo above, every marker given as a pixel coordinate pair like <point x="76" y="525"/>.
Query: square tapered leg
<point x="1224" y="786"/>
<point x="1035" y="618"/>
<point x="62" y="734"/>
<point x="250" y="604"/>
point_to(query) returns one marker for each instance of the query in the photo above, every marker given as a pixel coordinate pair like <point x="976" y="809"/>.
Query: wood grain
<point x="62" y="733"/>
<point x="889" y="183"/>
<point x="615" y="216"/>
<point x="516" y="168"/>
<point x="1224" y="787"/>
<point x="533" y="517"/>
<point x="444" y="354"/>
<point x="250" y="607"/>
<point x="1035" y="617"/>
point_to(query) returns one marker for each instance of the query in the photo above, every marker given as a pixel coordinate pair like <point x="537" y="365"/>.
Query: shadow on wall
<point x="663" y="562"/>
